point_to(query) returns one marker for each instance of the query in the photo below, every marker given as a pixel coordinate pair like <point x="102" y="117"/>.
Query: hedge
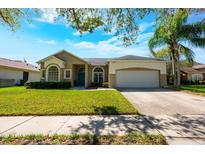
<point x="193" y="82"/>
<point x="47" y="85"/>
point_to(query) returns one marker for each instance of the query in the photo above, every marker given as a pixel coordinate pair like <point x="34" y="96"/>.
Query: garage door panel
<point x="137" y="79"/>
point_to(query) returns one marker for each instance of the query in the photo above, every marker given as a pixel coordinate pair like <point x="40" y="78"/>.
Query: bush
<point x="105" y="85"/>
<point x="22" y="82"/>
<point x="193" y="82"/>
<point x="48" y="85"/>
<point x="95" y="84"/>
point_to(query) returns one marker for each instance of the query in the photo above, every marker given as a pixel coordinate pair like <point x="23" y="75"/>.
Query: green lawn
<point x="195" y="88"/>
<point x="131" y="138"/>
<point x="22" y="101"/>
<point x="192" y="89"/>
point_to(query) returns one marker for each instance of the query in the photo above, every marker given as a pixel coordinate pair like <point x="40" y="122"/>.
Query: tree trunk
<point x="174" y="69"/>
<point x="178" y="72"/>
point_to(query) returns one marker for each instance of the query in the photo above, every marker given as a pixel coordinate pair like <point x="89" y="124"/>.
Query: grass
<point x="192" y="89"/>
<point x="22" y="101"/>
<point x="131" y="138"/>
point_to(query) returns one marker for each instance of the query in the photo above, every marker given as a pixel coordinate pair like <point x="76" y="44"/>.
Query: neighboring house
<point x="127" y="71"/>
<point x="12" y="72"/>
<point x="197" y="72"/>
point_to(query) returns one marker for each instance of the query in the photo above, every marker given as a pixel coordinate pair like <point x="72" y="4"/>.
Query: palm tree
<point x="172" y="34"/>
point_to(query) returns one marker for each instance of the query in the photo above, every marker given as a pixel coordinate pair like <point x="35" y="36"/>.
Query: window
<point x="53" y="73"/>
<point x="43" y="73"/>
<point x="197" y="77"/>
<point x="98" y="75"/>
<point x="67" y="74"/>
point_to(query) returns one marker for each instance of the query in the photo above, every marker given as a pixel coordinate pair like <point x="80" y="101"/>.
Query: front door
<point x="25" y="76"/>
<point x="81" y="77"/>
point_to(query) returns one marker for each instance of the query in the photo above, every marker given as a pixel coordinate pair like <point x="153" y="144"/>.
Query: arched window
<point x="98" y="75"/>
<point x="53" y="73"/>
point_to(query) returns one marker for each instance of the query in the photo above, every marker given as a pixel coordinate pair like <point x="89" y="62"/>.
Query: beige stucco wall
<point x="66" y="61"/>
<point x="52" y="60"/>
<point x="139" y="65"/>
<point x="163" y="80"/>
<point x="33" y="76"/>
<point x="69" y="59"/>
<point x="17" y="74"/>
<point x="112" y="80"/>
<point x="157" y="65"/>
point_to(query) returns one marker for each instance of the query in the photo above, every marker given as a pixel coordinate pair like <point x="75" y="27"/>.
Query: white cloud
<point x="77" y="33"/>
<point x="32" y="26"/>
<point x="145" y="36"/>
<point x="109" y="48"/>
<point x="145" y="25"/>
<point x="48" y="15"/>
<point x="50" y="42"/>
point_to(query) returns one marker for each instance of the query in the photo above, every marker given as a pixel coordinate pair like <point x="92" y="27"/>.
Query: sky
<point x="44" y="37"/>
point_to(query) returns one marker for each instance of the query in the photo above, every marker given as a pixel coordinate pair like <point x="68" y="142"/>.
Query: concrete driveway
<point x="165" y="102"/>
<point x="179" y="116"/>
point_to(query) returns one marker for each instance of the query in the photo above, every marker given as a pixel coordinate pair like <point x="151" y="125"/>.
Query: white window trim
<point x="42" y="73"/>
<point x="70" y="73"/>
<point x="48" y="69"/>
<point x="93" y="73"/>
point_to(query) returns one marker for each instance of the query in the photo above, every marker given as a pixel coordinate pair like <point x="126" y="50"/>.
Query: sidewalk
<point x="22" y="125"/>
<point x="177" y="129"/>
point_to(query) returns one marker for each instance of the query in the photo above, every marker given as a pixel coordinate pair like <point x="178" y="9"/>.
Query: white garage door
<point x="137" y="79"/>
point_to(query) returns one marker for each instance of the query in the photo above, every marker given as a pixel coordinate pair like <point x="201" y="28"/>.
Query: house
<point x="12" y="72"/>
<point x="197" y="72"/>
<point x="127" y="71"/>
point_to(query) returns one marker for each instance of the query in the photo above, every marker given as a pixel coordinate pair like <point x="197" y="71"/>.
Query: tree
<point x="13" y="17"/>
<point x="122" y="22"/>
<point x="172" y="33"/>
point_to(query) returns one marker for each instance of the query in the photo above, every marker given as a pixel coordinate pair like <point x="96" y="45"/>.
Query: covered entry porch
<point x="80" y="73"/>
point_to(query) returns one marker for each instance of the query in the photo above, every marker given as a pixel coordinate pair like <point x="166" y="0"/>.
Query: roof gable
<point x="58" y="53"/>
<point x="49" y="57"/>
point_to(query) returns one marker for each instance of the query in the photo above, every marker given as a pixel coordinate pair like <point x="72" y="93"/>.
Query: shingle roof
<point x="17" y="64"/>
<point x="199" y="66"/>
<point x="96" y="61"/>
<point x="102" y="61"/>
<point x="133" y="57"/>
<point x="189" y="70"/>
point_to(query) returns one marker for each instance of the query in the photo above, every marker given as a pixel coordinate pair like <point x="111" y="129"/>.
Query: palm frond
<point x="190" y="31"/>
<point x="164" y="53"/>
<point x="187" y="53"/>
<point x="197" y="42"/>
<point x="157" y="40"/>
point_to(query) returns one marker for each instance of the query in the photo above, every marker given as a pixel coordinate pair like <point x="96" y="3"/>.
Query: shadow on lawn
<point x="106" y="110"/>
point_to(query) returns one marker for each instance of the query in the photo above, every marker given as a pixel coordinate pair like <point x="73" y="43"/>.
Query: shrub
<point x="47" y="85"/>
<point x="105" y="85"/>
<point x="193" y="82"/>
<point x="95" y="84"/>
